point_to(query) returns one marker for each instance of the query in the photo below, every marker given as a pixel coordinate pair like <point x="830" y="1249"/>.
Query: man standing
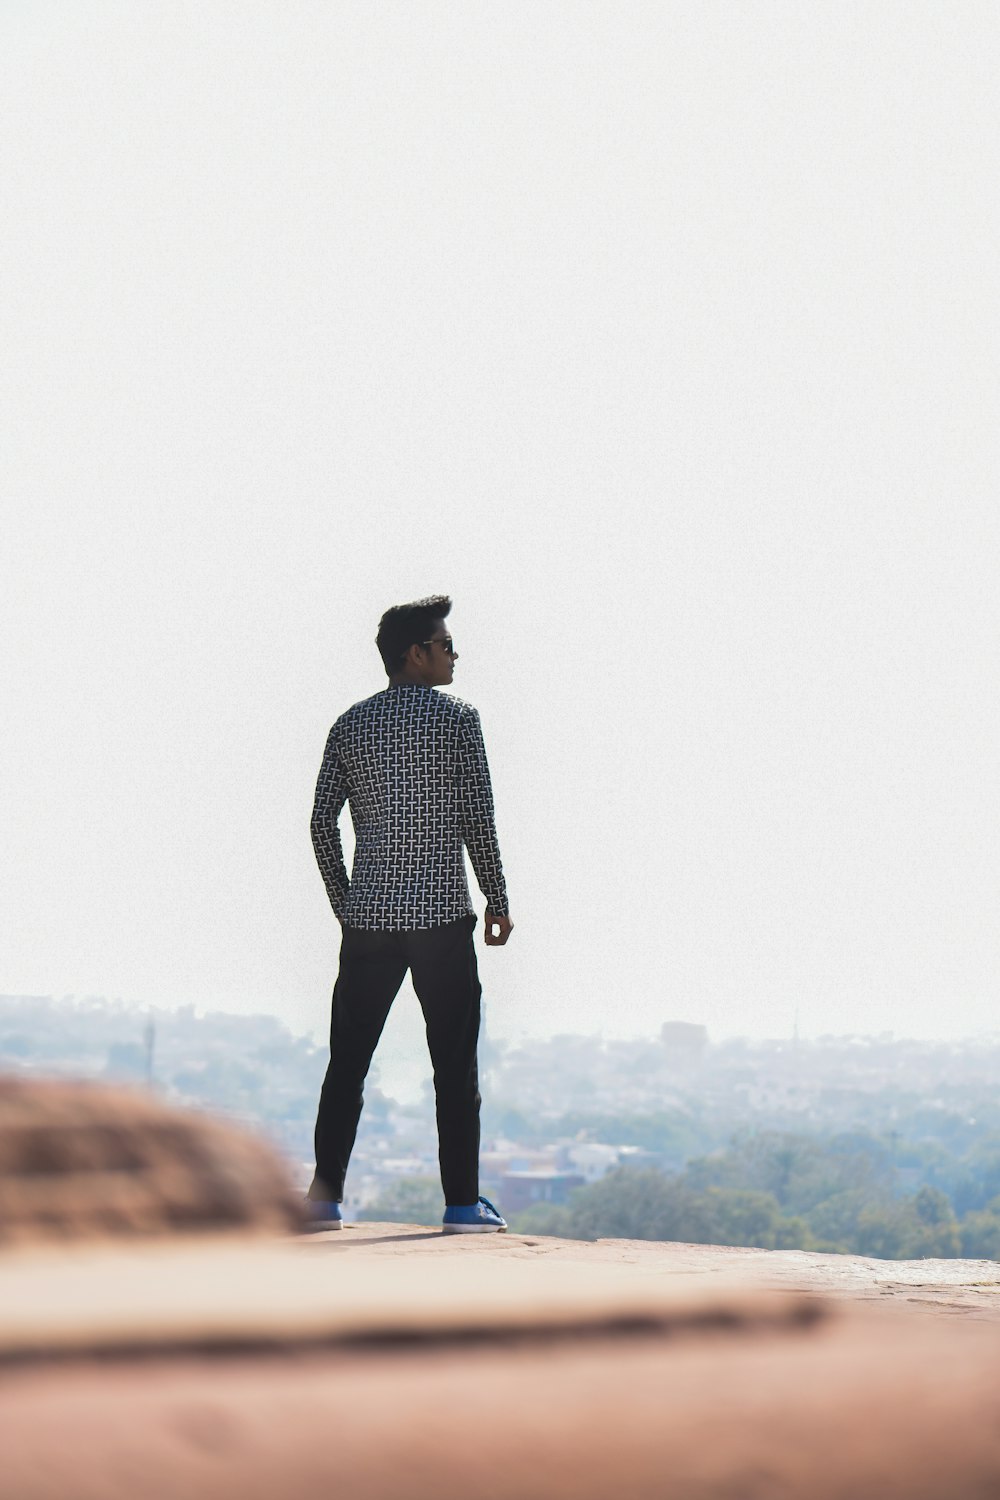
<point x="412" y="764"/>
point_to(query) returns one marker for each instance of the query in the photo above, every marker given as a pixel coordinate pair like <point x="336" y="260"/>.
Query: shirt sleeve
<point x="476" y="822"/>
<point x="331" y="794"/>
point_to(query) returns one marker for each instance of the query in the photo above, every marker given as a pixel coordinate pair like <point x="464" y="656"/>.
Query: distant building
<point x="685" y="1041"/>
<point x="593" y="1159"/>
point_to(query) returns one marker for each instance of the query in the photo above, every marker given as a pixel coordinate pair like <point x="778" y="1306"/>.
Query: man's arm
<point x="478" y="827"/>
<point x="331" y="794"/>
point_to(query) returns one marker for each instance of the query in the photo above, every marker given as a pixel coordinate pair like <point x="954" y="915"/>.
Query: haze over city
<point x="656" y="335"/>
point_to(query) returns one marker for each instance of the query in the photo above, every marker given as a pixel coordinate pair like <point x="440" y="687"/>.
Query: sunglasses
<point x="442" y="640"/>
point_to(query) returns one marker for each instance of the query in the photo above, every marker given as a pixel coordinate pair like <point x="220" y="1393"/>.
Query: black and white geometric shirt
<point x="412" y="763"/>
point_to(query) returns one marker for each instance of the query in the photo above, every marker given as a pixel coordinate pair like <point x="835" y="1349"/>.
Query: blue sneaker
<point x="473" y="1218"/>
<point x="322" y="1215"/>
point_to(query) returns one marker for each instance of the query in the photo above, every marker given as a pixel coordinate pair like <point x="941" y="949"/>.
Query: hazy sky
<point x="662" y="337"/>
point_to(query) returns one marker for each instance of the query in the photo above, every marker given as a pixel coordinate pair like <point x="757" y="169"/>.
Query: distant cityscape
<point x="877" y="1144"/>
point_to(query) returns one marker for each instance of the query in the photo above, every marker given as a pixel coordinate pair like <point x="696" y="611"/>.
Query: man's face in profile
<point x="440" y="661"/>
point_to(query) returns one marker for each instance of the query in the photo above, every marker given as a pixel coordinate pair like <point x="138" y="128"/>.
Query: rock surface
<point x="162" y="1334"/>
<point x="393" y="1363"/>
<point x="951" y="1288"/>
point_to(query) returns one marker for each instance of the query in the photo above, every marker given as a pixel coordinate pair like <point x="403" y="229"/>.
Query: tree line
<point x="775" y="1191"/>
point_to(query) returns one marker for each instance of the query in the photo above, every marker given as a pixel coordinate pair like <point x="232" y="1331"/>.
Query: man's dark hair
<point x="406" y="625"/>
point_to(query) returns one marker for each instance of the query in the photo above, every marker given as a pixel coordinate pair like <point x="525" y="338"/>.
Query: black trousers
<point x="373" y="965"/>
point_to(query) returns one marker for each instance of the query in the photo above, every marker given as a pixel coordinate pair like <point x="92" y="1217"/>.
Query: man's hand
<point x="498" y="929"/>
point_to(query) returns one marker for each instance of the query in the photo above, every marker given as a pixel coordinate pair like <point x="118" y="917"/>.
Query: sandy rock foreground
<point x="390" y="1361"/>
<point x="165" y="1335"/>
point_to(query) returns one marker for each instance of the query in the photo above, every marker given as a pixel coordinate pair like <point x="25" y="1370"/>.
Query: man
<point x="412" y="764"/>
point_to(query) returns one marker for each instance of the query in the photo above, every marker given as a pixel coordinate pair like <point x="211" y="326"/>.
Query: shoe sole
<point x="473" y="1229"/>
<point x="316" y="1225"/>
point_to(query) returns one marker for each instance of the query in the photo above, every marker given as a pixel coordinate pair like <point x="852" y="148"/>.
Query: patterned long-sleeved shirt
<point x="412" y="763"/>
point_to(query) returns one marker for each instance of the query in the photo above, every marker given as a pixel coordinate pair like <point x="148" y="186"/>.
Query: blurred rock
<point x="82" y="1161"/>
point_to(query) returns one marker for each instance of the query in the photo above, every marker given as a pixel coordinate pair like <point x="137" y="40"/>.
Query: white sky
<point x="660" y="335"/>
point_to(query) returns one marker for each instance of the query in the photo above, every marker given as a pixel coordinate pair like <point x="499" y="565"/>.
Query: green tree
<point x="834" y="1222"/>
<point x="741" y="1216"/>
<point x="640" y="1205"/>
<point x="910" y="1229"/>
<point x="408" y="1200"/>
<point x="647" y="1204"/>
<point x="980" y="1232"/>
<point x="936" y="1231"/>
<point x="979" y="1180"/>
<point x="799" y="1171"/>
<point x="546" y="1219"/>
<point x="882" y="1230"/>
